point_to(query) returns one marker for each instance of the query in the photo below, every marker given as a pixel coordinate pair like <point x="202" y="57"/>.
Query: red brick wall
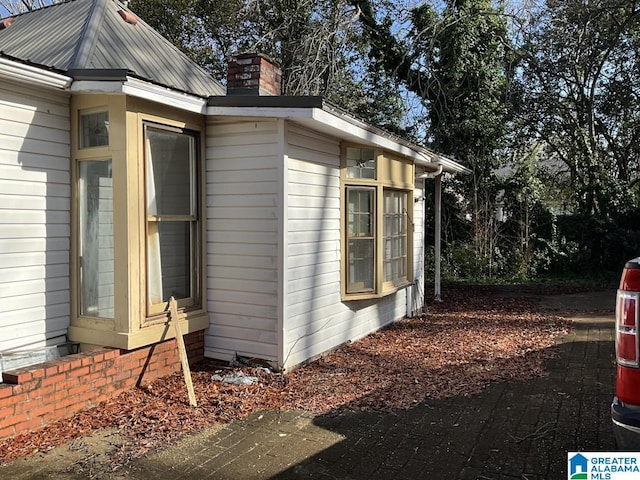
<point x="34" y="396"/>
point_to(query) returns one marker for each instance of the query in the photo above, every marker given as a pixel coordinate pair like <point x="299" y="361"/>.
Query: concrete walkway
<point x="514" y="430"/>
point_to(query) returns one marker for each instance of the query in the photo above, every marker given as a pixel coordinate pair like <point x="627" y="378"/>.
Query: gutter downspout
<point x="437" y="175"/>
<point x="438" y="234"/>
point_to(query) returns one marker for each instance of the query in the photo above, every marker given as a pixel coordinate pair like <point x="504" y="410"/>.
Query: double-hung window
<point x="361" y="245"/>
<point x="172" y="216"/>
<point x="376" y="223"/>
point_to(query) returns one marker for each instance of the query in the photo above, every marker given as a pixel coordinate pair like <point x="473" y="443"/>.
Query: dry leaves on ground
<point x="474" y="338"/>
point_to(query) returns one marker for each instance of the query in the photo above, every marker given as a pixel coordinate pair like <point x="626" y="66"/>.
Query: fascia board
<point x="335" y="125"/>
<point x="343" y="127"/>
<point x="326" y="122"/>
<point x="450" y="166"/>
<point x="261" y="112"/>
<point x="147" y="91"/>
<point x="33" y="75"/>
<point x="97" y="86"/>
<point x="420" y="156"/>
<point x="167" y="96"/>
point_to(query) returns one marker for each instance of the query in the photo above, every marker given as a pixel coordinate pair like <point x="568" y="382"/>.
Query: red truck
<point x="625" y="409"/>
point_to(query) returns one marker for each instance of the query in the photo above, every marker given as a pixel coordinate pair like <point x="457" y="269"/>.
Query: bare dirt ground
<point x="476" y="337"/>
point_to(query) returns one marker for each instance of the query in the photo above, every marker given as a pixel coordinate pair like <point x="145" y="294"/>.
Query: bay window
<point x="376" y="235"/>
<point x="136" y="235"/>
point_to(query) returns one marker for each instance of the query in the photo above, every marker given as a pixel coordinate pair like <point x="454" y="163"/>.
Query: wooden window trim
<point x="156" y="312"/>
<point x="392" y="173"/>
<point x="132" y="326"/>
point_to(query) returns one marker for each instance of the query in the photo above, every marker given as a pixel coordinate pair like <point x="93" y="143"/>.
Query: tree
<point x="457" y="62"/>
<point x="15" y="7"/>
<point x="317" y="43"/>
<point x="579" y="96"/>
<point x="205" y="30"/>
<point x="467" y="100"/>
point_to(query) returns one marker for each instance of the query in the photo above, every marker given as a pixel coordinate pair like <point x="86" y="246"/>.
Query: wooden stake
<point x="173" y="310"/>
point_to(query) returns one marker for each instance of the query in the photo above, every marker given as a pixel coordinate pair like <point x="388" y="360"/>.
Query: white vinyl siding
<point x="317" y="319"/>
<point x="34" y="217"/>
<point x="273" y="189"/>
<point x="243" y="195"/>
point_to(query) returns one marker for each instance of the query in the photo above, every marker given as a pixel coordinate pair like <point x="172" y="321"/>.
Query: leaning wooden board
<point x="173" y="310"/>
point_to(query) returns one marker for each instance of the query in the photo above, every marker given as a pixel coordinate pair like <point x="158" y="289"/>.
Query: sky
<point x="7" y="7"/>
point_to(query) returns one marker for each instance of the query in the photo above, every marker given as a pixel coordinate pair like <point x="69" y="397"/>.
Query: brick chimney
<point x="253" y="74"/>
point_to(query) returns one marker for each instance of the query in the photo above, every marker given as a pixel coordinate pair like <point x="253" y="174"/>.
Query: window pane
<point x="361" y="163"/>
<point x="170" y="168"/>
<point x="96" y="239"/>
<point x="395" y="235"/>
<point x="364" y="225"/>
<point x="360" y="205"/>
<point x="173" y="240"/>
<point x="361" y="261"/>
<point x="361" y="244"/>
<point x="94" y="129"/>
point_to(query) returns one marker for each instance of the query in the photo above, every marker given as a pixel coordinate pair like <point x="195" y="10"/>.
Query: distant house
<point x="283" y="225"/>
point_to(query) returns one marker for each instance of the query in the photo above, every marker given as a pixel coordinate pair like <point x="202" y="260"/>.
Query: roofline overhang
<point x="118" y="82"/>
<point x="32" y="75"/>
<point x="317" y="112"/>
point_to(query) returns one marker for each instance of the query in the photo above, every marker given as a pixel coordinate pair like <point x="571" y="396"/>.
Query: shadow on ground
<point x="519" y="430"/>
<point x="514" y="430"/>
<point x="510" y="430"/>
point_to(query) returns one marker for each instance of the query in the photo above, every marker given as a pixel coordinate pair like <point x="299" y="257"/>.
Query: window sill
<point x="141" y="338"/>
<point x="387" y="290"/>
<point x="162" y="317"/>
<point x="392" y="287"/>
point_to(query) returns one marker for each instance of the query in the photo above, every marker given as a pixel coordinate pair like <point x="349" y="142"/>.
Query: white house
<point x="283" y="225"/>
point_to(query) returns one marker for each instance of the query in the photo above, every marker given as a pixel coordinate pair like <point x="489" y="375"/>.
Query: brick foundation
<point x="31" y="397"/>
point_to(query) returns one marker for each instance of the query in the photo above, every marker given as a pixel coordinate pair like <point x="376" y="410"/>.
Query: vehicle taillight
<point x="627" y="305"/>
<point x="627" y="354"/>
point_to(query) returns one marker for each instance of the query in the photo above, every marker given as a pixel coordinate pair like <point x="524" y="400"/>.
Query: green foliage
<point x="579" y="96"/>
<point x="593" y="243"/>
<point x="466" y="96"/>
<point x="204" y="30"/>
<point x="544" y="115"/>
<point x="467" y="89"/>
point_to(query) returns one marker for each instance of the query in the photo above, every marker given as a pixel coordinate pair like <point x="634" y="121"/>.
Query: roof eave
<point x="24" y="73"/>
<point x="333" y="120"/>
<point x="116" y="81"/>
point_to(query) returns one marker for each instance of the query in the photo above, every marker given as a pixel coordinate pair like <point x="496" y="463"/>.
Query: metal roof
<point x="91" y="35"/>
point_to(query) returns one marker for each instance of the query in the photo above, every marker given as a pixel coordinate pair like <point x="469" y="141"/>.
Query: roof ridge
<point x="90" y="33"/>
